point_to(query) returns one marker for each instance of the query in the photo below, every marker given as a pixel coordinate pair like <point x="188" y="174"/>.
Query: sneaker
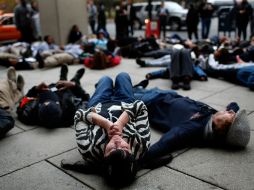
<point x="143" y="84"/>
<point x="140" y="62"/>
<point x="78" y="75"/>
<point x="64" y="72"/>
<point x="20" y="83"/>
<point x="11" y="74"/>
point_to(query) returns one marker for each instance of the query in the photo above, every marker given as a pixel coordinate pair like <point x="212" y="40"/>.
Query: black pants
<point x="6" y="122"/>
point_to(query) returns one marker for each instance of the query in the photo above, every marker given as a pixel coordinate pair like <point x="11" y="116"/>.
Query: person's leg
<point x="123" y="88"/>
<point x="6" y="122"/>
<point x="160" y="62"/>
<point x="103" y="91"/>
<point x="175" y="69"/>
<point x="186" y="69"/>
<point x="203" y="28"/>
<point x="208" y="24"/>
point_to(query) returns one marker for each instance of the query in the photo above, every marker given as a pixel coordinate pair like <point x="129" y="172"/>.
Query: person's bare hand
<point x="42" y="87"/>
<point x="115" y="129"/>
<point x="63" y="84"/>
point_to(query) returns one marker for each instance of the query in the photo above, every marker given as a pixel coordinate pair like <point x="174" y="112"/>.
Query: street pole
<point x="150" y="9"/>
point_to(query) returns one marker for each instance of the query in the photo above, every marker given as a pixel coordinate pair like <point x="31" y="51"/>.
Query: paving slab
<point x="37" y="177"/>
<point x="241" y="95"/>
<point x="251" y="119"/>
<point x="24" y="149"/>
<point x="165" y="178"/>
<point x="95" y="181"/>
<point x="229" y="169"/>
<point x="15" y="130"/>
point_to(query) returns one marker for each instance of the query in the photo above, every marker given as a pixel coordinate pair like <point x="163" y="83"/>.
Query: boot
<point x="64" y="72"/>
<point x="78" y="75"/>
<point x="175" y="83"/>
<point x="186" y="83"/>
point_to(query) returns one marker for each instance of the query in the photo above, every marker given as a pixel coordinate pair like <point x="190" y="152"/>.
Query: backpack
<point x="27" y="111"/>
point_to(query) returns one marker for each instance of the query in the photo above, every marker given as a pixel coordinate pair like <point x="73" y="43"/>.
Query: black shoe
<point x="20" y="83"/>
<point x="140" y="62"/>
<point x="64" y="72"/>
<point x="79" y="166"/>
<point x="78" y="75"/>
<point x="175" y="83"/>
<point x="162" y="161"/>
<point x="186" y="83"/>
<point x="143" y="84"/>
<point x="39" y="58"/>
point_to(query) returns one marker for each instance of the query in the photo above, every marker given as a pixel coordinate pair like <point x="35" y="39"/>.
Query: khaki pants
<point x="9" y="94"/>
<point x="58" y="59"/>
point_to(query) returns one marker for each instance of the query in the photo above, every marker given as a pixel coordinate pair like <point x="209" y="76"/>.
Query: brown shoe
<point x="20" y="83"/>
<point x="11" y="74"/>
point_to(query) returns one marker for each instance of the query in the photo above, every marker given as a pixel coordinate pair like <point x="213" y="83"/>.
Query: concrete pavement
<point x="30" y="155"/>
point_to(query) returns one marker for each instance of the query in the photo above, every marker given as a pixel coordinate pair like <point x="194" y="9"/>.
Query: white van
<point x="177" y="14"/>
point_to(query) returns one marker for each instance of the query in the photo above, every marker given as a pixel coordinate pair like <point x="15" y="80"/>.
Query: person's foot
<point x="140" y="62"/>
<point x="175" y="84"/>
<point x="186" y="83"/>
<point x="20" y="83"/>
<point x="40" y="60"/>
<point x="64" y="72"/>
<point x="78" y="75"/>
<point x="148" y="76"/>
<point x="11" y="74"/>
<point x="143" y="84"/>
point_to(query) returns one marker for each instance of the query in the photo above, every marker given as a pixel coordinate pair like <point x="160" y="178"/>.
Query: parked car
<point x="8" y="30"/>
<point x="177" y="14"/>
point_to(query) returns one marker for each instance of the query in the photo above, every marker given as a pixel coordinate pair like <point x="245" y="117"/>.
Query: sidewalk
<point x="30" y="156"/>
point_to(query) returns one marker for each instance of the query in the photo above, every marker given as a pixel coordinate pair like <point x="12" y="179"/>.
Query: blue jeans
<point x="106" y="92"/>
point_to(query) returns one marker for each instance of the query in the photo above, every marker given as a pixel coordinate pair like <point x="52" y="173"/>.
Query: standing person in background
<point x="131" y="14"/>
<point x="36" y="20"/>
<point x="121" y="21"/>
<point x="192" y="20"/>
<point x="163" y="18"/>
<point x="23" y="20"/>
<point x="102" y="19"/>
<point x="206" y="12"/>
<point x="243" y="13"/>
<point x="92" y="15"/>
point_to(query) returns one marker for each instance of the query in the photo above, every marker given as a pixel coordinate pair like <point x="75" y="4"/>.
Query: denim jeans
<point x="106" y="92"/>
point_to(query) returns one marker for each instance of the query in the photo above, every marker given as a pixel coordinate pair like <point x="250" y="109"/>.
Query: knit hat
<point x="50" y="112"/>
<point x="239" y="132"/>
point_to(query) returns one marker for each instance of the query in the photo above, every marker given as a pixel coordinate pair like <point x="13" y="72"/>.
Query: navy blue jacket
<point x="172" y="114"/>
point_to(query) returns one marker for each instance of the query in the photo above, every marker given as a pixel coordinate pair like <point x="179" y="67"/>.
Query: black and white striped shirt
<point x="92" y="139"/>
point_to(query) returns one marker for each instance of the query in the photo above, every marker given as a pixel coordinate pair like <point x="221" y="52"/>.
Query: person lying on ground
<point x="11" y="90"/>
<point x="186" y="123"/>
<point x="113" y="133"/>
<point x="53" y="105"/>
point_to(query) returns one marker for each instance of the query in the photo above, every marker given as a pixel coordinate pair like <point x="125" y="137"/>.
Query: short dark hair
<point x="120" y="168"/>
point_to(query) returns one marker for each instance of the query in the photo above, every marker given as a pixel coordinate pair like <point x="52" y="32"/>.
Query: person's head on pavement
<point x="233" y="128"/>
<point x="120" y="167"/>
<point x="50" y="111"/>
